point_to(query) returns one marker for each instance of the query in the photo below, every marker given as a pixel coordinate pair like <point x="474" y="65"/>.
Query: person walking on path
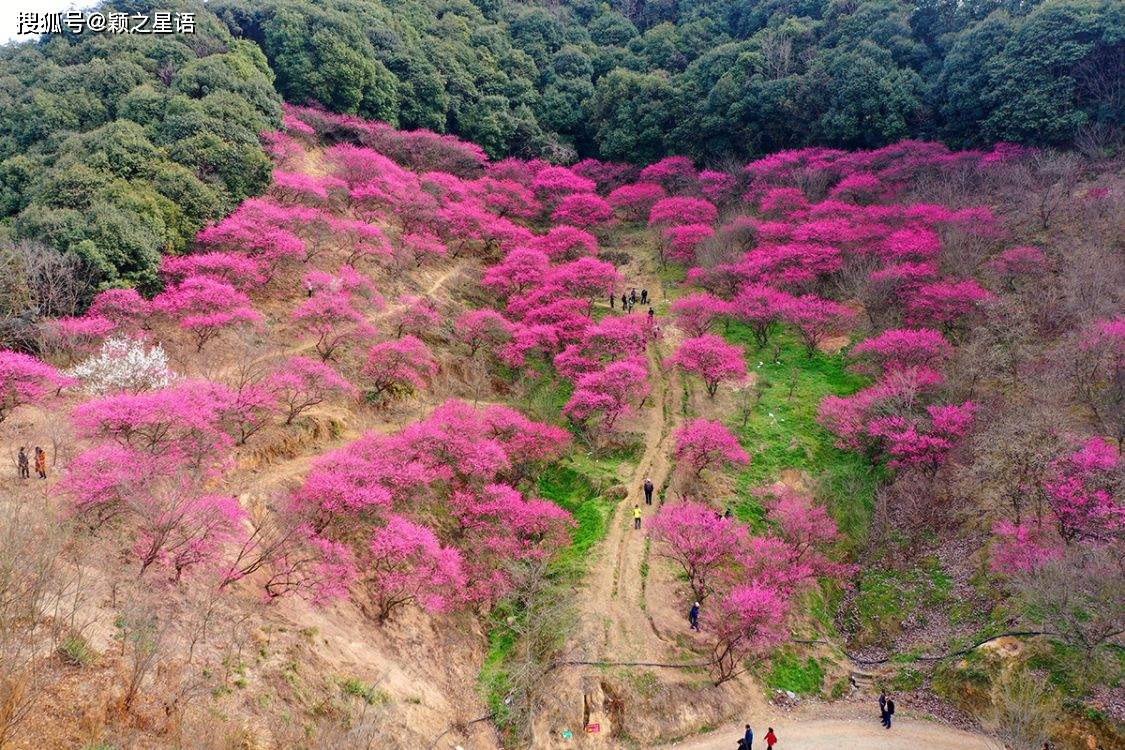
<point x="771" y="739"/>
<point x="644" y="296"/>
<point x="612" y="299"/>
<point x="633" y="296"/>
<point x="883" y="708"/>
<point x="21" y="462"/>
<point x="693" y="617"/>
<point x="649" y="487"/>
<point x="624" y="302"/>
<point x="636" y="516"/>
<point x="40" y="462"/>
<point x="747" y="741"/>
<point x="890" y="713"/>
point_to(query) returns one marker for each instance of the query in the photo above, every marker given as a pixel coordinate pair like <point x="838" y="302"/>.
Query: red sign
<point x="593" y="728"/>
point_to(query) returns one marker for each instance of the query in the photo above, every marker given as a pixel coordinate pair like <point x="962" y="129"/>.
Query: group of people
<point x="747" y="741"/>
<point x="630" y="300"/>
<point x="23" y="463"/>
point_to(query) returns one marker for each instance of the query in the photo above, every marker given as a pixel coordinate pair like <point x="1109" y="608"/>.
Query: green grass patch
<point x="781" y="432"/>
<point x="885" y="597"/>
<point x="788" y="671"/>
<point x="369" y="694"/>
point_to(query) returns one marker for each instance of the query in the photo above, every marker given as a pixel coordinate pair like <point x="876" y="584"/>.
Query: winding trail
<point x="841" y="734"/>
<point x="616" y="622"/>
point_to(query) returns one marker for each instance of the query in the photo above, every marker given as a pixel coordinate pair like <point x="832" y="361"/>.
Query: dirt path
<point x="616" y="621"/>
<point x="841" y="734"/>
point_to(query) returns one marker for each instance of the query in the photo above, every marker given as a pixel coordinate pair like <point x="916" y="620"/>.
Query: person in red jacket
<point x="771" y="739"/>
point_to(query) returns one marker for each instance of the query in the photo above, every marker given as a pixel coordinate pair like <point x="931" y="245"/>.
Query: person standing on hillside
<point x="636" y="516"/>
<point x="883" y="707"/>
<point x="649" y="487"/>
<point x="633" y="296"/>
<point x="40" y="462"/>
<point x="771" y="739"/>
<point x="644" y="296"/>
<point x="612" y="299"/>
<point x="624" y="302"/>
<point x="890" y="713"/>
<point x="693" y="617"/>
<point x="22" y="465"/>
<point x="651" y="314"/>
<point x="747" y="741"/>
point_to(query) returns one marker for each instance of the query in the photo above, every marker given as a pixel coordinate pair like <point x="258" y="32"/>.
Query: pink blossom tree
<point x="804" y="525"/>
<point x="701" y="542"/>
<point x="946" y="303"/>
<point x="398" y="366"/>
<point x="676" y="173"/>
<point x="564" y="243"/>
<point x="901" y="348"/>
<point x="681" y="242"/>
<point x="25" y="380"/>
<point x="334" y="321"/>
<point x="703" y="444"/>
<point x="178" y="530"/>
<point x="205" y="307"/>
<point x="1083" y="492"/>
<point x="125" y="308"/>
<point x="761" y="307"/>
<point x="817" y="319"/>
<point x="696" y="313"/>
<point x="634" y="202"/>
<point x="748" y="623"/>
<point x="240" y="271"/>
<point x="302" y="383"/>
<point x="520" y="270"/>
<point x="1023" y="547"/>
<point x="483" y="328"/>
<point x="607" y="394"/>
<point x="416" y="316"/>
<point x="408" y="564"/>
<point x="586" y="277"/>
<point x="712" y="359"/>
<point x="717" y="187"/>
<point x="583" y="210"/>
<point x="680" y="210"/>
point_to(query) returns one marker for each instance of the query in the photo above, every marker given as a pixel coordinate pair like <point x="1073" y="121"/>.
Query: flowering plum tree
<point x="1099" y="374"/>
<point x="331" y="317"/>
<point x="805" y="526"/>
<point x="178" y="529"/>
<point x="583" y="210"/>
<point x="696" y="313"/>
<point x="634" y="202"/>
<point x="782" y="201"/>
<point x="703" y="444"/>
<point x="125" y="308"/>
<point x="1022" y="547"/>
<point x="240" y="271"/>
<point x="916" y="244"/>
<point x="680" y="210"/>
<point x="712" y="359"/>
<point x="398" y="366"/>
<point x="587" y="277"/>
<point x="701" y="542"/>
<point x="676" y="173"/>
<point x="816" y="319"/>
<point x="507" y="198"/>
<point x="681" y="242"/>
<point x="760" y="307"/>
<point x="748" y="622"/>
<point x="483" y="328"/>
<point x="563" y="243"/>
<point x="25" y="380"/>
<point x="204" y="307"/>
<point x="902" y="348"/>
<point x="1083" y="492"/>
<point x="521" y="269"/>
<point x="608" y="393"/>
<point x="124" y="364"/>
<point x="551" y="184"/>
<point x="945" y="303"/>
<point x="416" y="316"/>
<point x="408" y="564"/>
<point x="302" y="383"/>
<point x="717" y="187"/>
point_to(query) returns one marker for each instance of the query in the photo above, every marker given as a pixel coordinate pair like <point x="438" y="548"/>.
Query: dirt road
<point x="842" y="734"/>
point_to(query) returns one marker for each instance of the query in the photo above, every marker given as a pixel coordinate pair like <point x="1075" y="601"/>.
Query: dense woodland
<point x="322" y="315"/>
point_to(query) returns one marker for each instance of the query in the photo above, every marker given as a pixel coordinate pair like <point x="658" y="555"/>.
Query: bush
<point x="75" y="651"/>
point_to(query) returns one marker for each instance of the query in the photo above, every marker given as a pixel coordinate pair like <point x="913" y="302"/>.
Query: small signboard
<point x="593" y="728"/>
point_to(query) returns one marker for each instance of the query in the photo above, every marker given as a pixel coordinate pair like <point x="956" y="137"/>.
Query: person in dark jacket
<point x="651" y="314"/>
<point x="21" y="461"/>
<point x="644" y="296"/>
<point x="624" y="302"/>
<point x="890" y="712"/>
<point x="883" y="708"/>
<point x="747" y="739"/>
<point x="612" y="300"/>
<point x="693" y="617"/>
<point x="649" y="487"/>
<point x="633" y="296"/>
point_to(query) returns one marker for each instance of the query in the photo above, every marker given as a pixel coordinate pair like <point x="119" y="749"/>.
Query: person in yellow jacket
<point x="636" y="516"/>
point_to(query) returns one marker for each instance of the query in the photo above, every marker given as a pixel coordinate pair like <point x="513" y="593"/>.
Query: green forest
<point x="120" y="148"/>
